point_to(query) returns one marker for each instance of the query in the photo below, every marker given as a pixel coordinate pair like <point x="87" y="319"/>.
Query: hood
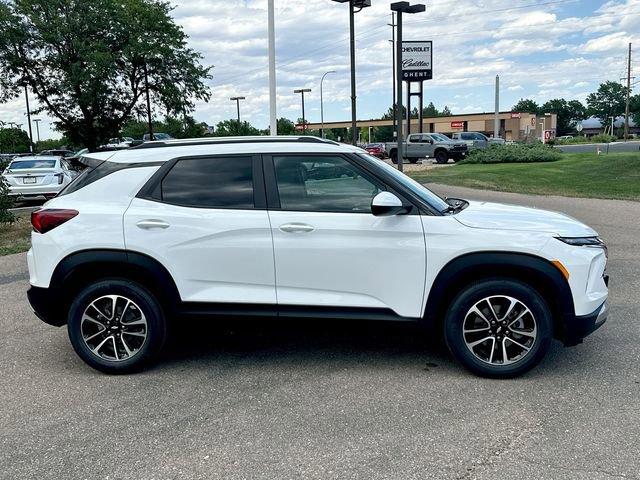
<point x="498" y="216"/>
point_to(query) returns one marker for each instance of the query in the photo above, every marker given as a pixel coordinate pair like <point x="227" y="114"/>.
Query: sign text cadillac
<point x="417" y="61"/>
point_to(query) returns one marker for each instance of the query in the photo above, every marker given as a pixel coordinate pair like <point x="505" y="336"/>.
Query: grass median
<point x="16" y="237"/>
<point x="616" y="175"/>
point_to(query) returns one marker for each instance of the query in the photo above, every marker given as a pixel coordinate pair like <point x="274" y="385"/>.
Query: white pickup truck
<point x="429" y="145"/>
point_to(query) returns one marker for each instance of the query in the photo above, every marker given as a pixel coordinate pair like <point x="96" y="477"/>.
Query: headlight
<point x="585" y="242"/>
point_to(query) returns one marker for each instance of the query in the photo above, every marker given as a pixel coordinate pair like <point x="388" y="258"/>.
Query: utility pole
<point x="496" y="118"/>
<point x="273" y="121"/>
<point x="626" y="111"/>
<point x="393" y="58"/>
<point x="26" y="97"/>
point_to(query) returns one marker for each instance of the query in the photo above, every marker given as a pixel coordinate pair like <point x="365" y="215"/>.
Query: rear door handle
<point x="152" y="223"/>
<point x="296" y="228"/>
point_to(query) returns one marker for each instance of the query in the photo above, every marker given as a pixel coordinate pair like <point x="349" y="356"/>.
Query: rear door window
<point x="210" y="183"/>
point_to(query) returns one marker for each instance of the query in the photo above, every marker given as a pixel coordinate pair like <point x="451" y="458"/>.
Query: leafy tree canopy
<point x="13" y="140"/>
<point x="231" y="128"/>
<point x="526" y="106"/>
<point x="177" y="127"/>
<point x="608" y="101"/>
<point x="86" y="62"/>
<point x="568" y="113"/>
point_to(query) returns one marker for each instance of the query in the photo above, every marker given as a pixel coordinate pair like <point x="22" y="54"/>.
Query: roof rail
<point x="231" y="140"/>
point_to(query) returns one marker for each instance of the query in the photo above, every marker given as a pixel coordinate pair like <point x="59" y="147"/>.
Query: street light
<point x="237" y="100"/>
<point x="37" y="122"/>
<point x="322" y="103"/>
<point x="304" y="123"/>
<point x="400" y="8"/>
<point x="353" y="5"/>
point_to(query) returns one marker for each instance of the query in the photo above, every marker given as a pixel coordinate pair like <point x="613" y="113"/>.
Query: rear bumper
<point x="34" y="191"/>
<point x="47" y="305"/>
<point x="577" y="328"/>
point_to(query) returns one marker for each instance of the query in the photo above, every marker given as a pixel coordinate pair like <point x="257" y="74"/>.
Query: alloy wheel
<point x="499" y="330"/>
<point x="114" y="328"/>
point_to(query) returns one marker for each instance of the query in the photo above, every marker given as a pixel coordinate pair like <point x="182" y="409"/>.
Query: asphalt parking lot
<point x="339" y="400"/>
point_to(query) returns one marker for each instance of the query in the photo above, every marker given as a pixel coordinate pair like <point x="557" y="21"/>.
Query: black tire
<point x="143" y="301"/>
<point x="394" y="156"/>
<point x="442" y="156"/>
<point x="465" y="300"/>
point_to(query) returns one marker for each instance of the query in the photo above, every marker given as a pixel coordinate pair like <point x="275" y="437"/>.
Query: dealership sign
<point x="457" y="125"/>
<point x="417" y="61"/>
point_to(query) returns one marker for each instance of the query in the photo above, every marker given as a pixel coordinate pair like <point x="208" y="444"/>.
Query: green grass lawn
<point x="16" y="237"/>
<point x="616" y="175"/>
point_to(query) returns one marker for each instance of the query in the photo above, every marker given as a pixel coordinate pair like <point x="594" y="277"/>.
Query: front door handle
<point x="296" y="228"/>
<point x="152" y="223"/>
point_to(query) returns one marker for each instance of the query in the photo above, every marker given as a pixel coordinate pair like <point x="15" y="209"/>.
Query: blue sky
<point x="541" y="50"/>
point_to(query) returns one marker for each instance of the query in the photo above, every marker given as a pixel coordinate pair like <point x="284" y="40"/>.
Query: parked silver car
<point x="38" y="176"/>
<point x="476" y="139"/>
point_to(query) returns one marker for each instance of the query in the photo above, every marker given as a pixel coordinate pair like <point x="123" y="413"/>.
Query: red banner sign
<point x="457" y="125"/>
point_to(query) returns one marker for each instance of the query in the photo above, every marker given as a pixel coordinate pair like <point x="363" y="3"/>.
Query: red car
<point x="376" y="149"/>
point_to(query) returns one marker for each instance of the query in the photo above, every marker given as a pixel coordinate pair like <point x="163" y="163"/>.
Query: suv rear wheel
<point x="498" y="328"/>
<point x="116" y="326"/>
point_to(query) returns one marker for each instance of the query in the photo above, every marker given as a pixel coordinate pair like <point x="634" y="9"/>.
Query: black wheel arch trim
<point x="531" y="269"/>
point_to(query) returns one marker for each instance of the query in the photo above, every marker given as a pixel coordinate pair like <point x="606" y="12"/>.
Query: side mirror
<point x="386" y="204"/>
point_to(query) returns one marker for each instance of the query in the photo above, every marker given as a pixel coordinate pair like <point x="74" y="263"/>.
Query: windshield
<point x="420" y="190"/>
<point x="27" y="164"/>
<point x="440" y="137"/>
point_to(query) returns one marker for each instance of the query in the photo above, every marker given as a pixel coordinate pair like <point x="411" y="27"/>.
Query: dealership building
<point x="513" y="125"/>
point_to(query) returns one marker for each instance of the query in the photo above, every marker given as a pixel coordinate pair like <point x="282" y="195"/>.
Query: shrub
<point x="6" y="202"/>
<point x="602" y="138"/>
<point x="519" y="153"/>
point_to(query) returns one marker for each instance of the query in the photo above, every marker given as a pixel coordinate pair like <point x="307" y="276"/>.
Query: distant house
<point x="593" y="126"/>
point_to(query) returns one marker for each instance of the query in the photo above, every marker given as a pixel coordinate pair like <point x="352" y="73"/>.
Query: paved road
<point x="631" y="146"/>
<point x="317" y="400"/>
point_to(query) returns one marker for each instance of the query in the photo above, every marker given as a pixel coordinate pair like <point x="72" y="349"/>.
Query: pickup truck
<point x="429" y="145"/>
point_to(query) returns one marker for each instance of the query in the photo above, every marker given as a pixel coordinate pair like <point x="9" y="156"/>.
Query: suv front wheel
<point x="498" y="328"/>
<point x="116" y="326"/>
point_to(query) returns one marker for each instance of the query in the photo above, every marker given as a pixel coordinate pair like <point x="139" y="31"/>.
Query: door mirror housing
<point x="386" y="204"/>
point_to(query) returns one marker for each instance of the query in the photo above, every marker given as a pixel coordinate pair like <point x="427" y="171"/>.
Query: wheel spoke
<point x="493" y="312"/>
<point x="126" y="347"/>
<point x="100" y="345"/>
<point x="95" y="335"/>
<point x="524" y="347"/>
<point x="513" y="303"/>
<point x="524" y="333"/>
<point x="87" y="318"/>
<point x="135" y="334"/>
<point x="478" y="342"/>
<point x="477" y="311"/>
<point x="140" y="321"/>
<point x="493" y="347"/>
<point x="115" y="347"/>
<point x="476" y="330"/>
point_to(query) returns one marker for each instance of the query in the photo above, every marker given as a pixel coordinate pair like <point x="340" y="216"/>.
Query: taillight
<point x="50" y="218"/>
<point x="60" y="178"/>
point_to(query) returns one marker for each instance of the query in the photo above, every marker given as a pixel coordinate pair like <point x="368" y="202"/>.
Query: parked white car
<point x="38" y="176"/>
<point x="476" y="140"/>
<point x="299" y="226"/>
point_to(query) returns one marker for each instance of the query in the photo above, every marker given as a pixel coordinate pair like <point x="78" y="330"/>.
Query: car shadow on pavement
<point x="303" y="340"/>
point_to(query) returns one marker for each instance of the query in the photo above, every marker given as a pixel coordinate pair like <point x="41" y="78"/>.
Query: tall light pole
<point x="353" y="5"/>
<point x="37" y="122"/>
<point x="322" y="104"/>
<point x="302" y="91"/>
<point x="400" y="8"/>
<point x="237" y="100"/>
<point x="26" y="98"/>
<point x="273" y="121"/>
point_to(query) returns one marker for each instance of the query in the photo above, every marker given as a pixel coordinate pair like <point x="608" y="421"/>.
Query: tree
<point x="13" y="140"/>
<point x="284" y="127"/>
<point x="86" y="62"/>
<point x="634" y="109"/>
<point x="6" y="202"/>
<point x="568" y="113"/>
<point x="608" y="101"/>
<point x="231" y="128"/>
<point x="526" y="106"/>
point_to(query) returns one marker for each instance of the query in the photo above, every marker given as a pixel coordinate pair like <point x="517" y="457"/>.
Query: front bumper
<point x="48" y="305"/>
<point x="577" y="327"/>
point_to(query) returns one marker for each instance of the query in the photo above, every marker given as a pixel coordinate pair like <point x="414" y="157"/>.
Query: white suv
<point x="299" y="226"/>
